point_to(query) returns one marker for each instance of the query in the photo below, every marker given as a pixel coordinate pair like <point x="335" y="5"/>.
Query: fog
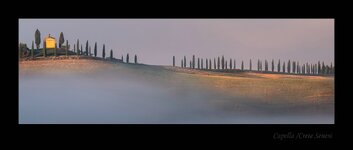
<point x="126" y="98"/>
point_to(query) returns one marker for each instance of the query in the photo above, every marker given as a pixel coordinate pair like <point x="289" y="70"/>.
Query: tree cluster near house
<point x="62" y="48"/>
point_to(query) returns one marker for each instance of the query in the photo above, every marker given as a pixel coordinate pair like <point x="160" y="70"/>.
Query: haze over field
<point x="95" y="91"/>
<point x="155" y="41"/>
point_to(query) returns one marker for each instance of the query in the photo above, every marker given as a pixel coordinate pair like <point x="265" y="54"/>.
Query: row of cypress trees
<point x="291" y="67"/>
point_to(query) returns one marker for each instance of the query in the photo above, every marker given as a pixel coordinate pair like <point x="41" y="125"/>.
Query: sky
<point x="156" y="41"/>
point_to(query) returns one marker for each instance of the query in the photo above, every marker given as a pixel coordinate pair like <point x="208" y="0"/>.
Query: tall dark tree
<point x="201" y="63"/>
<point x="298" y="70"/>
<point x="81" y="50"/>
<point x="279" y="65"/>
<point x="184" y="61"/>
<point x="182" y="65"/>
<point x="95" y="50"/>
<point x="33" y="50"/>
<point x="86" y="48"/>
<point x="89" y="51"/>
<point x="258" y="65"/>
<point x="214" y="63"/>
<point x="288" y="66"/>
<point x="111" y="53"/>
<point x="319" y="67"/>
<point x="230" y="63"/>
<point x="44" y="49"/>
<point x="37" y="39"/>
<point x="78" y="47"/>
<point x="127" y="58"/>
<point x="235" y="64"/>
<point x="190" y="64"/>
<point x="209" y="64"/>
<point x="242" y="65"/>
<point x="323" y="68"/>
<point x="55" y="50"/>
<point x="74" y="48"/>
<point x="331" y="68"/>
<point x="206" y="64"/>
<point x="67" y="47"/>
<point x="198" y="63"/>
<point x="250" y="65"/>
<point x="218" y="63"/>
<point x="173" y="61"/>
<point x="294" y="66"/>
<point x="222" y="62"/>
<point x="135" y="59"/>
<point x="61" y="39"/>
<point x="193" y="61"/>
<point x="273" y="66"/>
<point x="103" y="53"/>
<point x="284" y="67"/>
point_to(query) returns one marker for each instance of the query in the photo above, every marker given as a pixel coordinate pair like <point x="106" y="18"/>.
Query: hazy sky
<point x="155" y="41"/>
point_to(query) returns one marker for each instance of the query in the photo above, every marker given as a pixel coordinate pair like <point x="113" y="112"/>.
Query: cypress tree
<point x="135" y="59"/>
<point x="250" y="65"/>
<point x="193" y="61"/>
<point x="33" y="50"/>
<point x="298" y="70"/>
<point x="37" y="39"/>
<point x="74" y="48"/>
<point x="258" y="65"/>
<point x="319" y="67"/>
<point x="86" y="48"/>
<point x="61" y="39"/>
<point x="81" y="50"/>
<point x="127" y="58"/>
<point x="190" y="64"/>
<point x="45" y="49"/>
<point x="198" y="63"/>
<point x="201" y="63"/>
<point x="222" y="62"/>
<point x="218" y="63"/>
<point x="242" y="66"/>
<point x="67" y="47"/>
<point x="103" y="53"/>
<point x="294" y="66"/>
<point x="89" y="51"/>
<point x="288" y="67"/>
<point x="226" y="65"/>
<point x="206" y="64"/>
<point x="184" y="61"/>
<point x="284" y="67"/>
<point x="279" y="65"/>
<point x="209" y="64"/>
<point x="55" y="49"/>
<point x="323" y="68"/>
<point x="230" y="63"/>
<point x="182" y="65"/>
<point x="95" y="50"/>
<point x="173" y="61"/>
<point x="235" y="64"/>
<point x="273" y="66"/>
<point x="331" y="69"/>
<point x="111" y="53"/>
<point x="78" y="47"/>
<point x="214" y="63"/>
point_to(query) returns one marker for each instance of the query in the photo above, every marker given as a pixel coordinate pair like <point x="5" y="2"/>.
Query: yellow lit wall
<point x="50" y="43"/>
